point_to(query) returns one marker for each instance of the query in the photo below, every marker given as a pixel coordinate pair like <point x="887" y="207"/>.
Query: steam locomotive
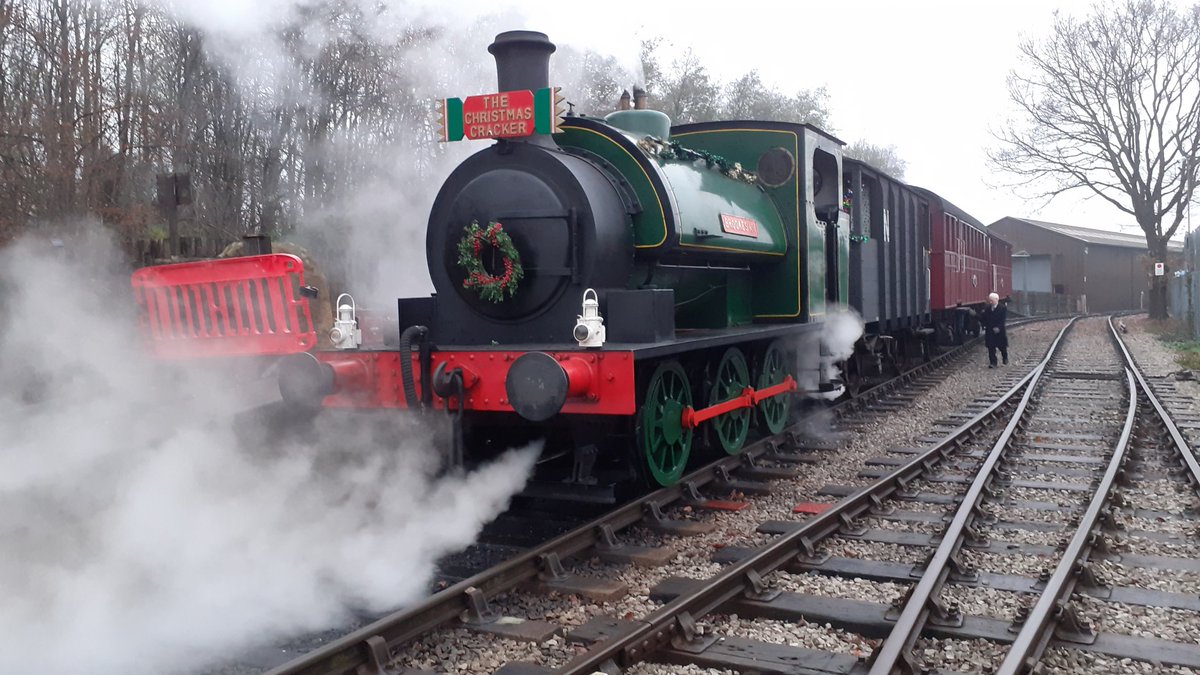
<point x="628" y="290"/>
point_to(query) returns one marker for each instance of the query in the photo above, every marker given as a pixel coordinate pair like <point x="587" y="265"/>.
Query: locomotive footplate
<point x="689" y="340"/>
<point x="535" y="380"/>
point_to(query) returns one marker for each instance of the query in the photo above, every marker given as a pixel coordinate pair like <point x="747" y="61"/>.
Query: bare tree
<point x="593" y="81"/>
<point x="314" y="127"/>
<point x="749" y="98"/>
<point x="1111" y="104"/>
<point x="883" y="158"/>
<point x="688" y="92"/>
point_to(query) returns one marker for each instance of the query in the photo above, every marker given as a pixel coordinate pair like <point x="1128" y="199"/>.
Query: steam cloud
<point x="138" y="537"/>
<point x="841" y="329"/>
<point x="377" y="228"/>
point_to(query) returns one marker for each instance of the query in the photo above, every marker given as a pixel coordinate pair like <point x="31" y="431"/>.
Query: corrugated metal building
<point x="1108" y="271"/>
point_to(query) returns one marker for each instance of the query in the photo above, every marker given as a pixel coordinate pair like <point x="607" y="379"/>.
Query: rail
<point x="897" y="647"/>
<point x="1027" y="648"/>
<point x="1186" y="457"/>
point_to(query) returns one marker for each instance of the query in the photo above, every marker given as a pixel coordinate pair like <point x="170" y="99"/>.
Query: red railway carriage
<point x="966" y="263"/>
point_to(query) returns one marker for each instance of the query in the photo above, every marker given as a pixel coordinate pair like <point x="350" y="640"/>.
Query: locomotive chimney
<point x="523" y="63"/>
<point x="639" y="98"/>
<point x="624" y="103"/>
<point x="522" y="60"/>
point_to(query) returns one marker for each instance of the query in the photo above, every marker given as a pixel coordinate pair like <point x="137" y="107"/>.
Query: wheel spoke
<point x="773" y="412"/>
<point x="666" y="444"/>
<point x="731" y="377"/>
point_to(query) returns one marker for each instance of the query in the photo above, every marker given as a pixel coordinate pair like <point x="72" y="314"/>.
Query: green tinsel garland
<point x="656" y="147"/>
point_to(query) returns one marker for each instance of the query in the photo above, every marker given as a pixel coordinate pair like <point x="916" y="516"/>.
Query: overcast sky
<point x="926" y="76"/>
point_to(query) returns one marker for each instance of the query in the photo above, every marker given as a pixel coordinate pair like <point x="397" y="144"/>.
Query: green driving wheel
<point x="733" y="376"/>
<point x="773" y="412"/>
<point x="666" y="444"/>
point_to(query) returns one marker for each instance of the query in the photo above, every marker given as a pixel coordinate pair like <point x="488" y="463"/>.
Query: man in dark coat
<point x="994" y="334"/>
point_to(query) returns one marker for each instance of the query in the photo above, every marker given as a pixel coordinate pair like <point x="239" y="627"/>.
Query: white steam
<point x="841" y="328"/>
<point x="139" y="538"/>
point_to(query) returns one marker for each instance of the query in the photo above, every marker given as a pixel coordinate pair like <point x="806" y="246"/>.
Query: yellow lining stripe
<point x="726" y="248"/>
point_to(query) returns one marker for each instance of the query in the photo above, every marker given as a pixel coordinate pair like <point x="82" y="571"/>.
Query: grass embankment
<point x="1176" y="336"/>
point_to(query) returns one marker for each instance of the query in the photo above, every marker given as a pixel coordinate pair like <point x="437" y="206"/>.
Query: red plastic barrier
<point x="228" y="307"/>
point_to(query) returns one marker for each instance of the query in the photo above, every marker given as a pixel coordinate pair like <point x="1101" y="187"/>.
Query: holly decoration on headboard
<point x="491" y="287"/>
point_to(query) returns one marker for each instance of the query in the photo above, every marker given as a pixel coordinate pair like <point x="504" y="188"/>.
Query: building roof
<point x="1099" y="237"/>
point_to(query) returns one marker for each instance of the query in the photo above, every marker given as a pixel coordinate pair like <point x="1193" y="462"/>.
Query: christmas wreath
<point x="489" y="286"/>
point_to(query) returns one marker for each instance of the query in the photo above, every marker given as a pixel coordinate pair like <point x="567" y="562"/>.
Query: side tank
<point x="703" y="226"/>
<point x="742" y="219"/>
<point x="722" y="210"/>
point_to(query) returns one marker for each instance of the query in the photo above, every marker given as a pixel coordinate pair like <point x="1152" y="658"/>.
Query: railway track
<point x="1025" y="542"/>
<point x="467" y="602"/>
<point x="1055" y="471"/>
<point x="1078" y="483"/>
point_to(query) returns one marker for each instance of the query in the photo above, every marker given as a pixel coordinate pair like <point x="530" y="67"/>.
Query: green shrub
<point x="1188" y="354"/>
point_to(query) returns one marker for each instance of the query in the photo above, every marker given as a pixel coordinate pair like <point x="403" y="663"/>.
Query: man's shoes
<point x="991" y="365"/>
